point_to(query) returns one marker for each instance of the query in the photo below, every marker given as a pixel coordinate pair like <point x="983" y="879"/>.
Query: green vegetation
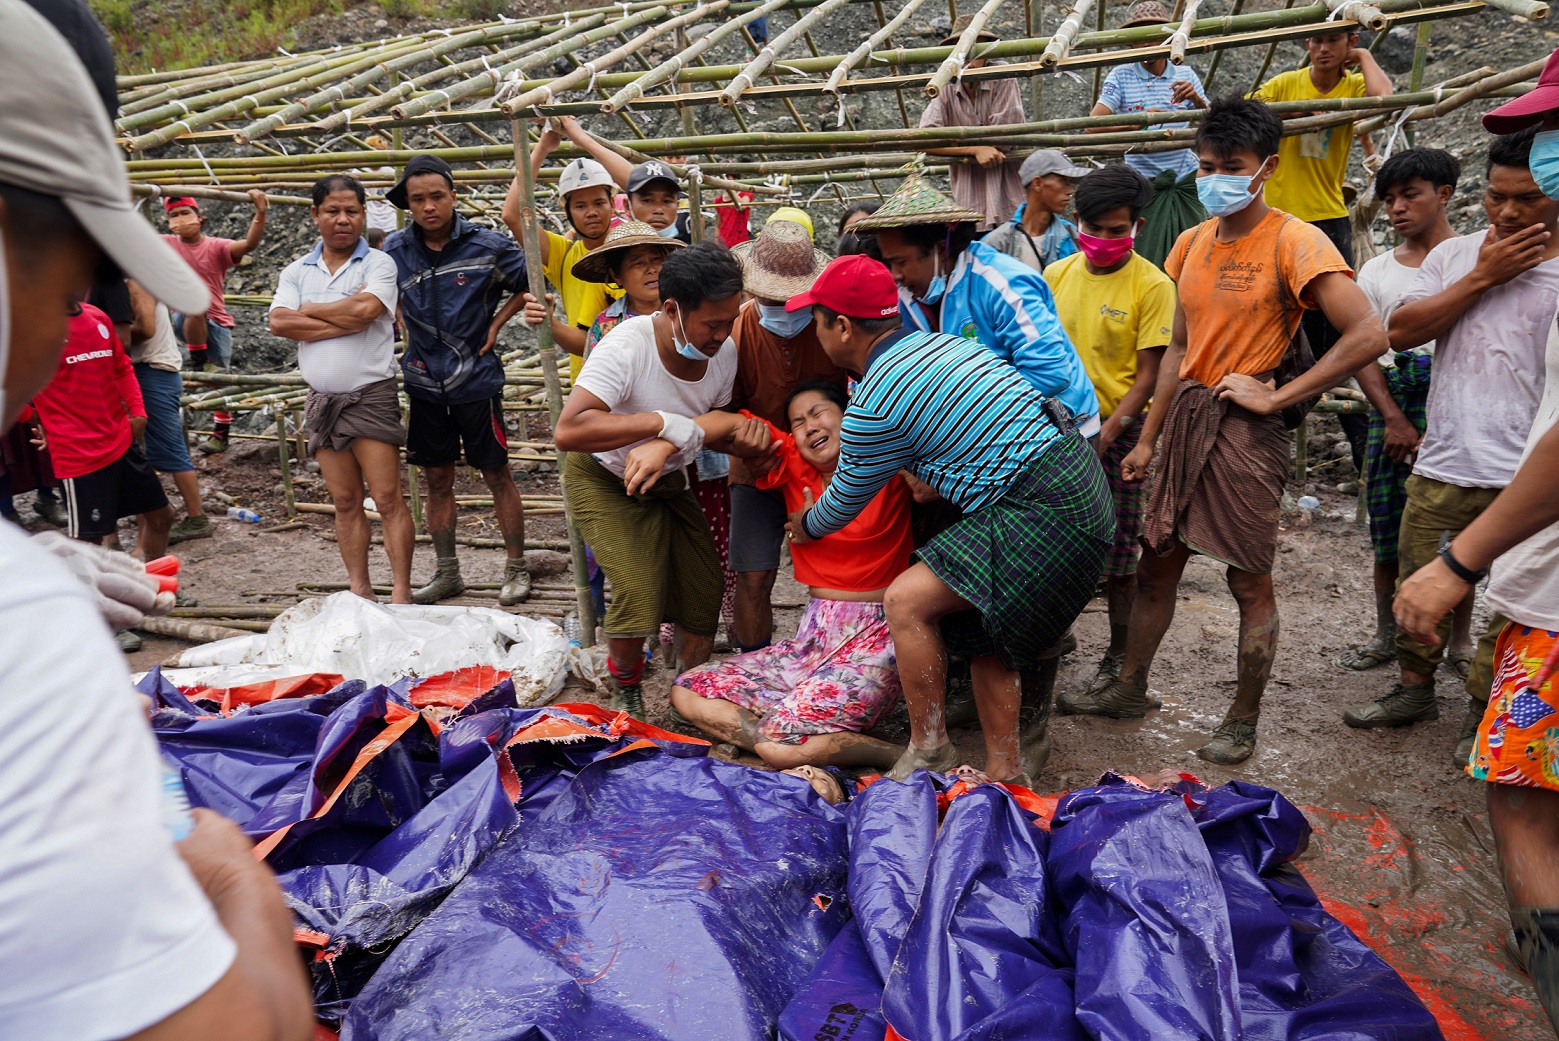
<point x="152" y="35"/>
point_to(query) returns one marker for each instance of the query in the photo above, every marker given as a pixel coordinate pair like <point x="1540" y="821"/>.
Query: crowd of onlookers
<point x="960" y="422"/>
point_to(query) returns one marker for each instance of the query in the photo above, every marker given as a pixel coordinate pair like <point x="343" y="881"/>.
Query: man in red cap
<point x="1003" y="583"/>
<point x="1538" y="107"/>
<point x="211" y="258"/>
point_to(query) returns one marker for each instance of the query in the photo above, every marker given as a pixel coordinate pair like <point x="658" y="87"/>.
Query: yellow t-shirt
<point x="582" y="300"/>
<point x="1111" y="317"/>
<point x="1308" y="181"/>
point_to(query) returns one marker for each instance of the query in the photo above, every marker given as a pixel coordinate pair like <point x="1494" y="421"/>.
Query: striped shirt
<point x="1132" y="88"/>
<point x="996" y="191"/>
<point x="944" y="408"/>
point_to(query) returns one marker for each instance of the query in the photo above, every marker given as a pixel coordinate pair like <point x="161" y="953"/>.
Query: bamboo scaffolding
<point x="672" y="67"/>
<point x="868" y="47"/>
<point x="771" y="51"/>
<point x="1365" y="14"/>
<point x="1180" y="39"/>
<point x="1060" y="44"/>
<point x="963" y="50"/>
<point x="588" y="71"/>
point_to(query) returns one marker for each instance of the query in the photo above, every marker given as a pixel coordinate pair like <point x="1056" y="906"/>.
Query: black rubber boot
<point x="1537" y="937"/>
<point x="1403" y="705"/>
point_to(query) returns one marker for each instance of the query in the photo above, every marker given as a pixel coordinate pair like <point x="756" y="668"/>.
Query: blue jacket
<point x="1008" y="307"/>
<point x="448" y="300"/>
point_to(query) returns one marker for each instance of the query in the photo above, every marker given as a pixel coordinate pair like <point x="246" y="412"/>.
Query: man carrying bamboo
<point x="452" y="276"/>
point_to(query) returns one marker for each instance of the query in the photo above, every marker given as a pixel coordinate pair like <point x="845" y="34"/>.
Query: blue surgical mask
<point x="679" y="341"/>
<point x="669" y="231"/>
<point x="938" y="286"/>
<point x="1223" y="195"/>
<point x="782" y="323"/>
<point x="1544" y="163"/>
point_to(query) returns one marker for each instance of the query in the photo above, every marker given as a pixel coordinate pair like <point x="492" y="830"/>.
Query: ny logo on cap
<point x="655" y="170"/>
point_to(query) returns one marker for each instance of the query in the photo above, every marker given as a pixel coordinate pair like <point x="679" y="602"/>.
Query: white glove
<point x="681" y="431"/>
<point x="125" y="592"/>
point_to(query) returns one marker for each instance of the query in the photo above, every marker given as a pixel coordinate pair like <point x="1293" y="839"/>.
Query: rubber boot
<point x="1405" y="704"/>
<point x="516" y="583"/>
<point x="1469" y="734"/>
<point x="1108" y="672"/>
<point x="1118" y="700"/>
<point x="629" y="698"/>
<point x="1537" y="937"/>
<point x="446" y="583"/>
<point x="937" y="760"/>
<point x="1038" y="686"/>
<point x="1233" y="742"/>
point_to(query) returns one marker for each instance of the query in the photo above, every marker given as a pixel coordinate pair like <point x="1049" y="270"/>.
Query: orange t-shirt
<point x="866" y="554"/>
<point x="1243" y="300"/>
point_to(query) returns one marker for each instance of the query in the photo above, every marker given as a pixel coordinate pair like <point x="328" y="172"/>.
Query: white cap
<point x="585" y="173"/>
<point x="55" y="139"/>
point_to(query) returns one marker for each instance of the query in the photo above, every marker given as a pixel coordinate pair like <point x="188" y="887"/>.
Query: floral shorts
<point x="839" y="673"/>
<point x="1518" y="740"/>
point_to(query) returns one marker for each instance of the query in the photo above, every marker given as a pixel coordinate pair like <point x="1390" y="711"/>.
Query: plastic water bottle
<point x="240" y="514"/>
<point x="1309" y="502"/>
<point x="573" y="631"/>
<point x="175" y="805"/>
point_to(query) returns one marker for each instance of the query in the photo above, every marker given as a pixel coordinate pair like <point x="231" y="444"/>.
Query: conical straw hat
<point x="916" y="202"/>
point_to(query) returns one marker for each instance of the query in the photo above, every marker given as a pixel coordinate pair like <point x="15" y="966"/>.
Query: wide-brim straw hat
<point x="983" y="36"/>
<point x="595" y="266"/>
<point x="916" y="202"/>
<point x="780" y="262"/>
<point x="1146" y="12"/>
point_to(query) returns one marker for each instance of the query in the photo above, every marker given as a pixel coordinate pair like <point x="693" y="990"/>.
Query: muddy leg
<point x="1258" y="639"/>
<point x="721" y="720"/>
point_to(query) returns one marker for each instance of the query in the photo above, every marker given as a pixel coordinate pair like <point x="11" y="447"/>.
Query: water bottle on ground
<point x="240" y="514"/>
<point x="1309" y="502"/>
<point x="573" y="630"/>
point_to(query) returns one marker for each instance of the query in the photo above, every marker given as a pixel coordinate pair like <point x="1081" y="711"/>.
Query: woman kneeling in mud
<point x="806" y="700"/>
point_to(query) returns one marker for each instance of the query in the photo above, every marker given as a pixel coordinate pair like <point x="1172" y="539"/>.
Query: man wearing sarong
<point x="1245" y="279"/>
<point x="638" y="415"/>
<point x="338" y="303"/>
<point x="1004" y="582"/>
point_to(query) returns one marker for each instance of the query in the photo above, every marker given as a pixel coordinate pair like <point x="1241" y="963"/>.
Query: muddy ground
<point x="1402" y="847"/>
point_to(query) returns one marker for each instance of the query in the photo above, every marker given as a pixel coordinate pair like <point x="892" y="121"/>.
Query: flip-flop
<point x="1460" y="662"/>
<point x="1364" y="657"/>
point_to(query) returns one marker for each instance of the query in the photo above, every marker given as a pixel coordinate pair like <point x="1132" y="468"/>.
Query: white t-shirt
<point x="1525" y="586"/>
<point x="1385" y="281"/>
<point x="1488" y="376"/>
<point x="624" y="370"/>
<point x="159" y="350"/>
<point x="343" y="364"/>
<point x="103" y="931"/>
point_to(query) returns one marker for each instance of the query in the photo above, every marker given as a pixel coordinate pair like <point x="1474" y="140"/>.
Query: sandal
<point x="1460" y="662"/>
<point x="1365" y="656"/>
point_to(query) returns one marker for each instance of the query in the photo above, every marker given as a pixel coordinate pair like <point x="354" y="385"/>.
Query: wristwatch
<point x="1459" y="569"/>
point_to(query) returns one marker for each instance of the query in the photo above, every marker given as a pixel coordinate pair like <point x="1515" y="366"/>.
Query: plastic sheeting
<point x="569" y="873"/>
<point x="1140" y="913"/>
<point x="346" y="635"/>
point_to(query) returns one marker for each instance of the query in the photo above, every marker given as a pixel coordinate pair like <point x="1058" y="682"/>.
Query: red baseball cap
<point x="185" y="200"/>
<point x="856" y="286"/>
<point x="1530" y="108"/>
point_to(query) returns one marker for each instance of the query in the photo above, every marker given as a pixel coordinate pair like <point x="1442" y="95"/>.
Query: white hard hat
<point x="584" y="173"/>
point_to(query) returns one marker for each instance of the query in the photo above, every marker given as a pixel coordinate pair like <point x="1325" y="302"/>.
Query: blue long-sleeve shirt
<point x="1008" y="307"/>
<point x="945" y="409"/>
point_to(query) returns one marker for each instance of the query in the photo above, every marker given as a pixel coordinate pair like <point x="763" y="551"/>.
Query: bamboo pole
<point x="284" y="458"/>
<point x="204" y="191"/>
<point x="517" y="105"/>
<point x="1532" y="10"/>
<point x="674" y="65"/>
<point x="1212" y="70"/>
<point x="963" y="50"/>
<point x="547" y="354"/>
<point x="1181" y="37"/>
<point x="771" y="51"/>
<point x="1365" y="14"/>
<point x="185" y="629"/>
<point x="1060" y="44"/>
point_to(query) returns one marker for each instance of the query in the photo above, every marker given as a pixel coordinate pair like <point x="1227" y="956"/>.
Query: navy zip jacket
<point x="448" y="300"/>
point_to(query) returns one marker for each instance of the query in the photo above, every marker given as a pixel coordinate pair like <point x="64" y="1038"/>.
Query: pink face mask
<point x="1104" y="252"/>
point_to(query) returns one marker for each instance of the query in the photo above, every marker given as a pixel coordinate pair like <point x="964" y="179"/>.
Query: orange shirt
<point x="1243" y="300"/>
<point x="866" y="554"/>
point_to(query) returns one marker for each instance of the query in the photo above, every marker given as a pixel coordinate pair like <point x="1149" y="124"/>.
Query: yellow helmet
<point x="793" y="213"/>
